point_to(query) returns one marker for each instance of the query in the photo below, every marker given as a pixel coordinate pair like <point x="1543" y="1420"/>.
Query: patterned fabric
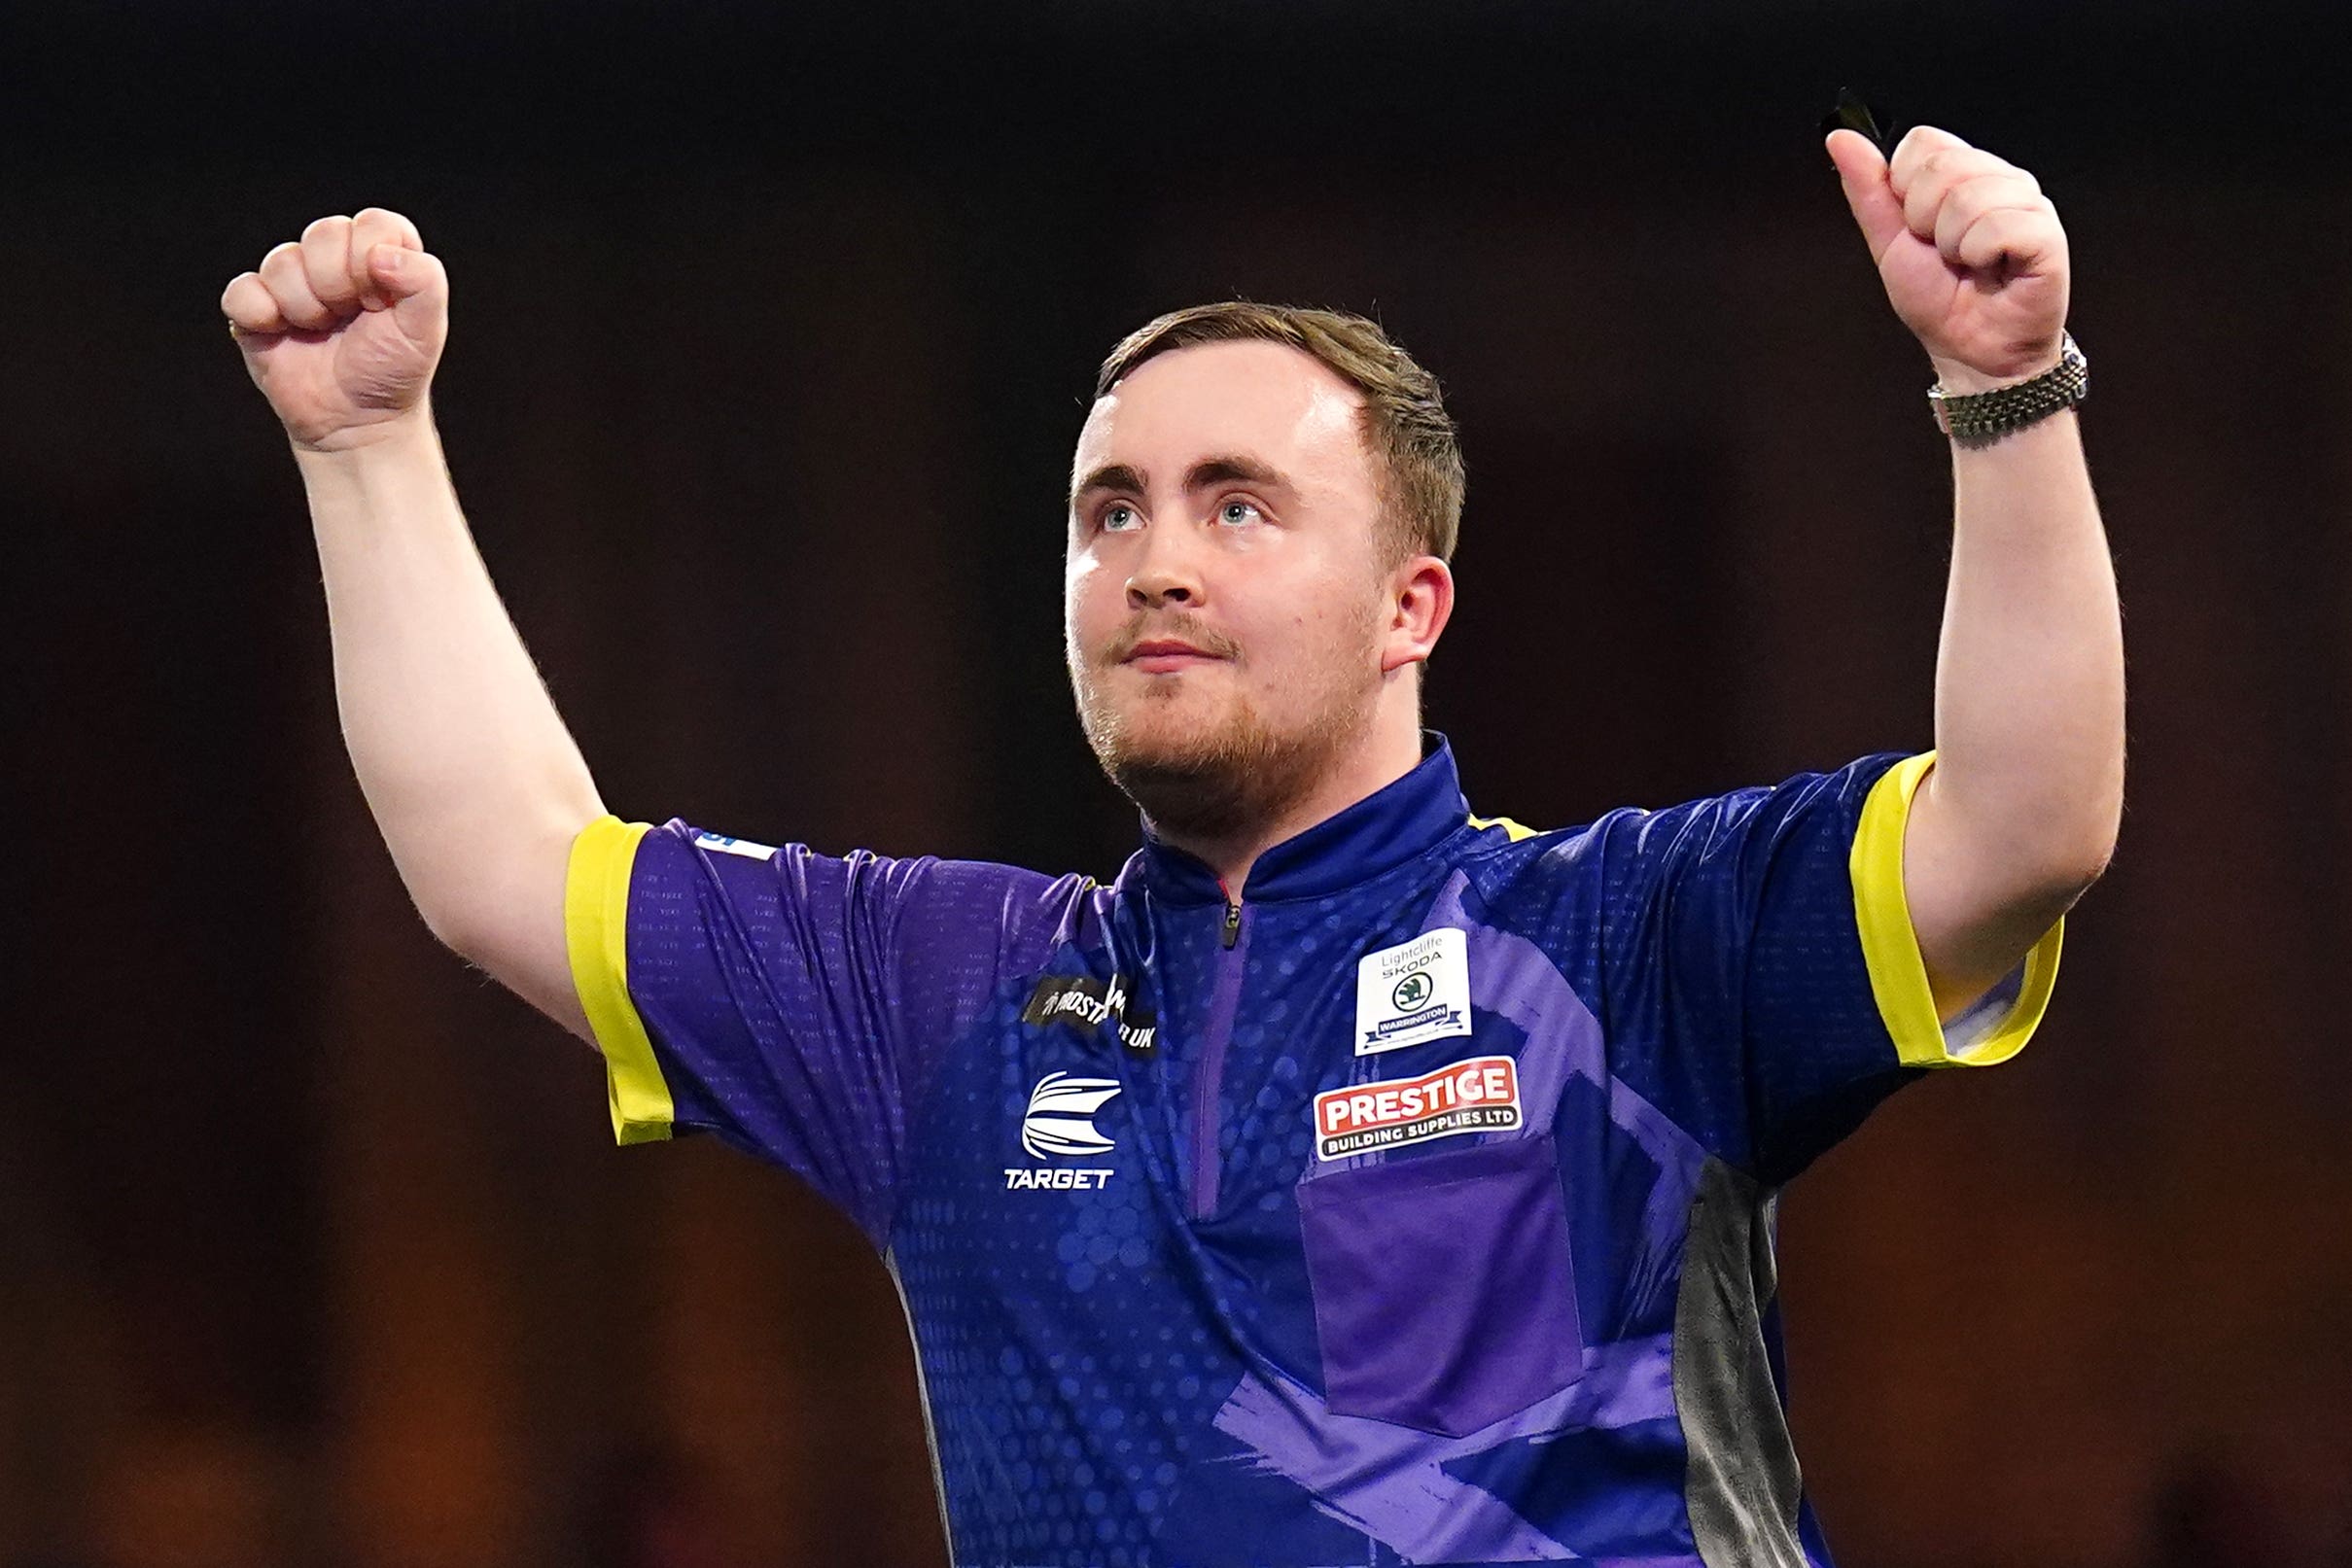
<point x="1416" y="1210"/>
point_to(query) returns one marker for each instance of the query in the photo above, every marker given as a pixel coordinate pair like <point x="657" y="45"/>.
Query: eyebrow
<point x="1229" y="470"/>
<point x="1111" y="476"/>
<point x="1222" y="468"/>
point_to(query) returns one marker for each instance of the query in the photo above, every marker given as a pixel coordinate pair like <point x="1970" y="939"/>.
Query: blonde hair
<point x="1405" y="423"/>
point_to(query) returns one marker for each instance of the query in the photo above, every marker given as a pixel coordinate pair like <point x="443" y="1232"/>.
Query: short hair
<point x="1405" y="423"/>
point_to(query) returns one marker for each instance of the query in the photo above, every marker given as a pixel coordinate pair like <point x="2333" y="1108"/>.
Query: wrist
<point x="1982" y="415"/>
<point x="396" y="457"/>
<point x="403" y="434"/>
<point x="1960" y="379"/>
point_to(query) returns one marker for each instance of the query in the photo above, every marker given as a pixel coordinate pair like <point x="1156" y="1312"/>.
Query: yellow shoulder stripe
<point x="1514" y="829"/>
<point x="596" y="930"/>
<point x="1890" y="947"/>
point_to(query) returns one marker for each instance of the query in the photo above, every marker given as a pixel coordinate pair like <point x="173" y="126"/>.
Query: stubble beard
<point x="1224" y="780"/>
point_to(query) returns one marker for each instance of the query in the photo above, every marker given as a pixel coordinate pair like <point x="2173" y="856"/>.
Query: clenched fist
<point x="1972" y="254"/>
<point x="342" y="329"/>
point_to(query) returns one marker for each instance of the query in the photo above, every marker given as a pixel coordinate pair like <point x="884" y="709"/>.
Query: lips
<point x="1165" y="655"/>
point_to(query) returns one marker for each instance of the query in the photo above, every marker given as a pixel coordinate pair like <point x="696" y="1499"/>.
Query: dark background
<point x="773" y="327"/>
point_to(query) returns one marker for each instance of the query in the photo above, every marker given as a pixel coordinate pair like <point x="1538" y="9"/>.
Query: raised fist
<point x="342" y="329"/>
<point x="1972" y="254"/>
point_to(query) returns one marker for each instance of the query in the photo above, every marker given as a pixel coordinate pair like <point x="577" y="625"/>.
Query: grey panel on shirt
<point x="1740" y="1484"/>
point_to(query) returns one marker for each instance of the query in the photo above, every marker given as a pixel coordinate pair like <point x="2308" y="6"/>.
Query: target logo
<point x="1061" y="1116"/>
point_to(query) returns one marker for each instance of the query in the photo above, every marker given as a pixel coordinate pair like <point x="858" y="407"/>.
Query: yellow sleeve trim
<point x="1510" y="827"/>
<point x="596" y="930"/>
<point x="1890" y="947"/>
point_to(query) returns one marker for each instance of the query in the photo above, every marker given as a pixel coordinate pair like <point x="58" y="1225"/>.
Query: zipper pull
<point x="1232" y="932"/>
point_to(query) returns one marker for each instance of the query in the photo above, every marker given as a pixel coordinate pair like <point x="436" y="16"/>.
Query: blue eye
<point x="1118" y="517"/>
<point x="1238" y="512"/>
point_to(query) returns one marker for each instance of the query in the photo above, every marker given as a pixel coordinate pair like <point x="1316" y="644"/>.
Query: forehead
<point x="1263" y="400"/>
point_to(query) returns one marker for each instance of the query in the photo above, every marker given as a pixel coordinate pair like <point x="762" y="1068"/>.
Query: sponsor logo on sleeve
<point x="1060" y="1124"/>
<point x="721" y="844"/>
<point x="1412" y="993"/>
<point x="1086" y="1003"/>
<point x="1476" y="1095"/>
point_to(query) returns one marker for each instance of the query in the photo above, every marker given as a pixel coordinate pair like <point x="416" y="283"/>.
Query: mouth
<point x="1167" y="655"/>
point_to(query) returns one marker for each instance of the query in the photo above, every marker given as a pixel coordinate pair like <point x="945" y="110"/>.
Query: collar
<point x="1376" y="834"/>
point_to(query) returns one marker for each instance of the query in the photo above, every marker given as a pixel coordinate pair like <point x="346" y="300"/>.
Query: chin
<point x="1174" y="710"/>
<point x="1199" y="763"/>
<point x="1170" y="723"/>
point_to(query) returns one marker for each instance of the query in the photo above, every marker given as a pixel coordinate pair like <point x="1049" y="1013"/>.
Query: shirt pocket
<point x="1445" y="1298"/>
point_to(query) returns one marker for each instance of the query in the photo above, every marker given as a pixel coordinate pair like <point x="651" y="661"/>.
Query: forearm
<point x="2021" y="812"/>
<point x="472" y="777"/>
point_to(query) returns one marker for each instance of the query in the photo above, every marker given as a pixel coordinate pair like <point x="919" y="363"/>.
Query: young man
<point x="1354" y="1180"/>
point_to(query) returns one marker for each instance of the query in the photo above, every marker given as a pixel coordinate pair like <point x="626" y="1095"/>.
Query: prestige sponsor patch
<point x="1476" y="1095"/>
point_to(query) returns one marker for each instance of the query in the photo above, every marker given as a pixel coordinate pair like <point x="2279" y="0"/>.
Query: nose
<point x="1164" y="572"/>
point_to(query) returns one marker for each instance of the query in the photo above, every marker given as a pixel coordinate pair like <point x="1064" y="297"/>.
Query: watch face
<point x="1853" y="113"/>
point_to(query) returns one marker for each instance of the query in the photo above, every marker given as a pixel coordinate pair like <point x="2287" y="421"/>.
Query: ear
<point x="1420" y="600"/>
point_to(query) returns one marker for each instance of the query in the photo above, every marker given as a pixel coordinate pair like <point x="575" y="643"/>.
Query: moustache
<point x="1177" y="627"/>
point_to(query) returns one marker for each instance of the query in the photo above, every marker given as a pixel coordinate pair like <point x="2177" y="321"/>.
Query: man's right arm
<point x="473" y="779"/>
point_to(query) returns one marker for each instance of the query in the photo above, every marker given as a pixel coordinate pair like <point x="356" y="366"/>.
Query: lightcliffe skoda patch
<point x="1415" y="992"/>
<point x="1476" y="1095"/>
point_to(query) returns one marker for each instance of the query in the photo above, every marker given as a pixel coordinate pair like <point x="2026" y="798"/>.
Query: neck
<point x="1386" y="751"/>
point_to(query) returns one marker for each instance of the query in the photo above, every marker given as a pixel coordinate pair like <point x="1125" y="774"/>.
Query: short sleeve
<point x="1764" y="939"/>
<point x="792" y="1003"/>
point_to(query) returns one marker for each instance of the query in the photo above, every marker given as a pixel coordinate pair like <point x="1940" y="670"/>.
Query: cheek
<point x="1326" y="618"/>
<point x="1083" y="578"/>
<point x="1296" y="640"/>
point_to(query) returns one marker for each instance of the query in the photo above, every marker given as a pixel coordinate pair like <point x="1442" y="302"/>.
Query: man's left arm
<point x="2019" y="814"/>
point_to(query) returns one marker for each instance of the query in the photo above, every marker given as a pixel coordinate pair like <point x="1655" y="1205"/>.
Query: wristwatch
<point x="1979" y="418"/>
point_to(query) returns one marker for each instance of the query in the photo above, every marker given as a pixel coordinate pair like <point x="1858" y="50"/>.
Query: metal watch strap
<point x="1979" y="417"/>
